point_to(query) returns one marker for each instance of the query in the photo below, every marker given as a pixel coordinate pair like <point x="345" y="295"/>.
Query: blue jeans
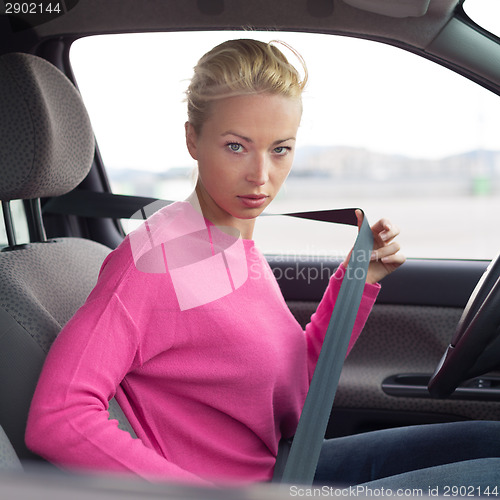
<point x="433" y="456"/>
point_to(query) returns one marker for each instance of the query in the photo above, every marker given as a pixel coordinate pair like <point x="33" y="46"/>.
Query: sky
<point x="360" y="93"/>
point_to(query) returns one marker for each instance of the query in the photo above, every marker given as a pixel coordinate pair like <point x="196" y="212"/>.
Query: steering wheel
<point x="475" y="346"/>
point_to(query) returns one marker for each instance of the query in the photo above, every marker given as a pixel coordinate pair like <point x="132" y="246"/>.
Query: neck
<point x="219" y="217"/>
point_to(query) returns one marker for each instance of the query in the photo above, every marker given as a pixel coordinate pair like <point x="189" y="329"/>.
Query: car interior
<point x="429" y="351"/>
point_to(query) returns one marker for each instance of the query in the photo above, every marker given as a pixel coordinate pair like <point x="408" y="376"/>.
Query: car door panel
<point x="407" y="332"/>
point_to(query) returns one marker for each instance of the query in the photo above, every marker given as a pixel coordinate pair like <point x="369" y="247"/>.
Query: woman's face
<point x="244" y="152"/>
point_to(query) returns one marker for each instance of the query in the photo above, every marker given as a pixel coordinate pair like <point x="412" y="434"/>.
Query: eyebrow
<point x="247" y="139"/>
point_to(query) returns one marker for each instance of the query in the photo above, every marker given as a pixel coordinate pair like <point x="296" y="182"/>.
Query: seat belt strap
<point x="95" y="204"/>
<point x="304" y="453"/>
<point x="295" y="464"/>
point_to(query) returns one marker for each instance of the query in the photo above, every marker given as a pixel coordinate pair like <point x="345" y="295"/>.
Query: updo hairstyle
<point x="241" y="67"/>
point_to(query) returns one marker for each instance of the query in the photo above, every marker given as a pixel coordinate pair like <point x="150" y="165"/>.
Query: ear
<point x="191" y="140"/>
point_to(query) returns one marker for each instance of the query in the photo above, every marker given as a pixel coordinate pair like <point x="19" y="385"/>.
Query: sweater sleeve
<point x="316" y="329"/>
<point x="68" y="423"/>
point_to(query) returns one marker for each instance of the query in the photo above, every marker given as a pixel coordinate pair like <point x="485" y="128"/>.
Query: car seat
<point x="46" y="149"/>
<point x="8" y="457"/>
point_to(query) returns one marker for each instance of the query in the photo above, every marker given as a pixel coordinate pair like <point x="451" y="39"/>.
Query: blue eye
<point x="282" y="150"/>
<point x="234" y="147"/>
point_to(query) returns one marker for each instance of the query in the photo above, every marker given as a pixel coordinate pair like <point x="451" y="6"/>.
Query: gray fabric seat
<point x="8" y="457"/>
<point x="46" y="149"/>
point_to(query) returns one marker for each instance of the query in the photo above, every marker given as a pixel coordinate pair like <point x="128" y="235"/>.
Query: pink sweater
<point x="210" y="376"/>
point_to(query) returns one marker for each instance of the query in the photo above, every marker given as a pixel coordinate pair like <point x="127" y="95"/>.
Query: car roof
<point x="329" y="16"/>
<point x="430" y="28"/>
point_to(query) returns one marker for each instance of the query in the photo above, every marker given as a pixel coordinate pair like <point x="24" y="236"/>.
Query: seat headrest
<point x="46" y="139"/>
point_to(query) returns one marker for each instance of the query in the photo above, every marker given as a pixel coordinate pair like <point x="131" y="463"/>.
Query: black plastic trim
<point x="420" y="282"/>
<point x="414" y="385"/>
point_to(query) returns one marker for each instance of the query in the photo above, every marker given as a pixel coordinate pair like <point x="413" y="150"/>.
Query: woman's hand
<point x="385" y="257"/>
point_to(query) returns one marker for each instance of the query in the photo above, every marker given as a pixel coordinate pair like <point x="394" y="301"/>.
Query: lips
<point x="253" y="200"/>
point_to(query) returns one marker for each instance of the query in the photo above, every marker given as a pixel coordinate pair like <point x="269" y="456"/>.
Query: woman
<point x="186" y="326"/>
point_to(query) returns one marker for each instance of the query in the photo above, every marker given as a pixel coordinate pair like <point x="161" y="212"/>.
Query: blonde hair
<point x="241" y="67"/>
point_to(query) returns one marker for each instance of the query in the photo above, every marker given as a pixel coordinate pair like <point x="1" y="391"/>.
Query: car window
<point x="382" y="129"/>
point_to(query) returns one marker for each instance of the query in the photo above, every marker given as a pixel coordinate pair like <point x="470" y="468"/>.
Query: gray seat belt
<point x="295" y="464"/>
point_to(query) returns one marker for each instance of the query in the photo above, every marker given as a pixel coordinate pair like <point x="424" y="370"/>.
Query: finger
<point x="381" y="225"/>
<point x="389" y="232"/>
<point x="397" y="259"/>
<point x="359" y="216"/>
<point x="385" y="251"/>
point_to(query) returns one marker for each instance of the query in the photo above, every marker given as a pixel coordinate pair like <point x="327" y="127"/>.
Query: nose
<point x="258" y="171"/>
